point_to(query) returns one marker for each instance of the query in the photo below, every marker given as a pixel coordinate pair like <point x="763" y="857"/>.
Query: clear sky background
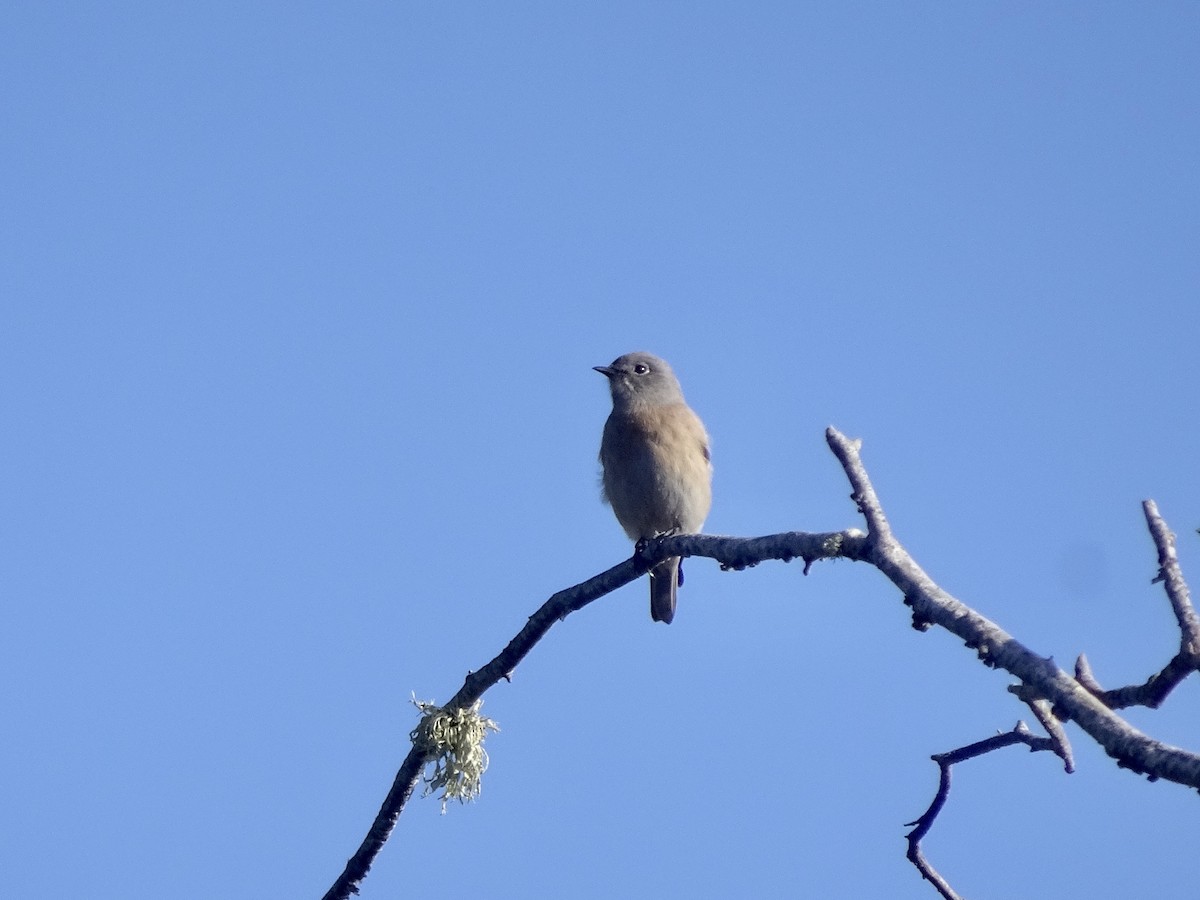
<point x="299" y="309"/>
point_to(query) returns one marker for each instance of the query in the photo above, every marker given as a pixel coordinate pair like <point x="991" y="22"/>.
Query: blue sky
<point x="300" y="305"/>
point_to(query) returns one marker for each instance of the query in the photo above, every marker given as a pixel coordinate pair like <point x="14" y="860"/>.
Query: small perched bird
<point x="657" y="470"/>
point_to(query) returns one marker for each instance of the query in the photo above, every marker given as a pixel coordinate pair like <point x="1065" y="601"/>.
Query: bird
<point x="657" y="468"/>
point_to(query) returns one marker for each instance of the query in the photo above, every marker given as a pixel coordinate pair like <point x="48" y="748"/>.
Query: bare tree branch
<point x="1019" y="735"/>
<point x="731" y="553"/>
<point x="1057" y="735"/>
<point x="1051" y="693"/>
<point x="1040" y="677"/>
<point x="1156" y="688"/>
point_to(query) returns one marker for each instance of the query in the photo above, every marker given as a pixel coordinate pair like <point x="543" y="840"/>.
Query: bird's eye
<point x="641" y="369"/>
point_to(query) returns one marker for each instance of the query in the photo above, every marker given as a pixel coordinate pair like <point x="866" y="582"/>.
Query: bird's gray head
<point x="641" y="379"/>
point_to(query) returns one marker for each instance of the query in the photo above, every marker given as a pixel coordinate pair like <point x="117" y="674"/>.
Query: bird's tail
<point x="663" y="580"/>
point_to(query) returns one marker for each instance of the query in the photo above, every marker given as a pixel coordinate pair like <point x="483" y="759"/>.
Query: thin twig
<point x="1059" y="743"/>
<point x="1158" y="686"/>
<point x="946" y="761"/>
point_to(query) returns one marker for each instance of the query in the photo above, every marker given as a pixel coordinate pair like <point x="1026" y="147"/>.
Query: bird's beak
<point x="606" y="371"/>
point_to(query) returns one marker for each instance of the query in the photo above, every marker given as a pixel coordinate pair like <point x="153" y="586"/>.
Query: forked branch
<point x="1156" y="688"/>
<point x="946" y="761"/>
<point x="1051" y="693"/>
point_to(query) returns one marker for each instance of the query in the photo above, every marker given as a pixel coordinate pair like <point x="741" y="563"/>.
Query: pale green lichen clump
<point x="832" y="545"/>
<point x="453" y="741"/>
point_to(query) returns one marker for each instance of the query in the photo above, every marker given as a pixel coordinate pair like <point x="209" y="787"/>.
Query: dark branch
<point x="1019" y="735"/>
<point x="1154" y="691"/>
<point x="731" y="553"/>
